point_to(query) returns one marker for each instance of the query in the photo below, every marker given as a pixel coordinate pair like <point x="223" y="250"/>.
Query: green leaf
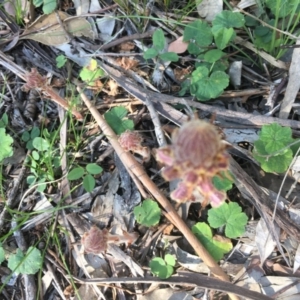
<point x="40" y="144"/>
<point x="37" y="3"/>
<point x="224" y="36"/>
<point x="282" y="8"/>
<point x="159" y="40"/>
<point x="224" y="181"/>
<point x="89" y="183"/>
<point x="231" y="216"/>
<point x="194" y="49"/>
<point x="31" y="179"/>
<point x="49" y="6"/>
<point x="25" y="136"/>
<point x="278" y="163"/>
<point x="30" y="263"/>
<point x="150" y="53"/>
<point x="4" y="120"/>
<point x="42" y="185"/>
<point x="205" y="86"/>
<point x="198" y="31"/>
<point x="60" y="61"/>
<point x="6" y="149"/>
<point x="228" y="19"/>
<point x="275" y="137"/>
<point x="2" y="254"/>
<point x="35" y="132"/>
<point x="35" y="155"/>
<point x="91" y="72"/>
<point x="94" y="169"/>
<point x="148" y="214"/>
<point x="75" y="173"/>
<point x="213" y="55"/>
<point x="169" y="56"/>
<point x="216" y="248"/>
<point x="170" y="260"/>
<point x="159" y="268"/>
<point x="115" y="118"/>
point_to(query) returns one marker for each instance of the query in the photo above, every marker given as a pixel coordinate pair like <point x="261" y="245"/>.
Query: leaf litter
<point x="147" y="77"/>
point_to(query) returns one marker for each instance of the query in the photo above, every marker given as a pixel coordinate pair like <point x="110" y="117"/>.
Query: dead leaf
<point x="113" y="86"/>
<point x="127" y="63"/>
<point x="48" y="31"/>
<point x="181" y="73"/>
<point x="127" y="46"/>
<point x="264" y="240"/>
<point x="208" y="9"/>
<point x="178" y="46"/>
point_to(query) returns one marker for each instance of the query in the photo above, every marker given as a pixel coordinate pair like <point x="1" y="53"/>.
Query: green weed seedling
<point x="209" y="79"/>
<point x="229" y="215"/>
<point x="273" y="150"/>
<point x="216" y="246"/>
<point x="87" y="175"/>
<point x="163" y="268"/>
<point x="157" y="51"/>
<point x="147" y="214"/>
<point x="224" y="181"/>
<point x="60" y="61"/>
<point x="284" y="15"/>
<point x="43" y="160"/>
<point x="6" y="149"/>
<point x="116" y="119"/>
<point x="91" y="72"/>
<point x="20" y="263"/>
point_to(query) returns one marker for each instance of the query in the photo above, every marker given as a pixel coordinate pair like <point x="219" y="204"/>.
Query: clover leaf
<point x="272" y="149"/>
<point x="207" y="86"/>
<point x="6" y="149"/>
<point x="278" y="163"/>
<point x="282" y="8"/>
<point x="148" y="213"/>
<point x="275" y="137"/>
<point x="224" y="181"/>
<point x="159" y="40"/>
<point x="116" y="119"/>
<point x="163" y="268"/>
<point x="216" y="246"/>
<point x="25" y="264"/>
<point x="231" y="216"/>
<point x="198" y="31"/>
<point x="228" y="19"/>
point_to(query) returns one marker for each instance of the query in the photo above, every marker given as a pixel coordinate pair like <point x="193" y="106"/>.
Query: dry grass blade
<point x="131" y="164"/>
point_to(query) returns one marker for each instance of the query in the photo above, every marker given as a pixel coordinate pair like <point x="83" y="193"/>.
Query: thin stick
<point x="129" y="161"/>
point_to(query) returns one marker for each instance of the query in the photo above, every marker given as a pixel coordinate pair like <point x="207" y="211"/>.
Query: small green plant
<point x="209" y="79"/>
<point x="42" y="159"/>
<point x="224" y="181"/>
<point x="116" y="118"/>
<point x="229" y="215"/>
<point x="157" y="51"/>
<point x="60" y="61"/>
<point x="147" y="214"/>
<point x="87" y="175"/>
<point x="4" y="121"/>
<point x="48" y="5"/>
<point x="284" y="16"/>
<point x="91" y="72"/>
<point x="273" y="148"/>
<point x="217" y="246"/>
<point x="20" y="263"/>
<point x="29" y="136"/>
<point x="6" y="149"/>
<point x="163" y="268"/>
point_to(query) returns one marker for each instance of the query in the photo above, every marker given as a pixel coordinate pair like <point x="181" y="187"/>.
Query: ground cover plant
<point x="149" y="144"/>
